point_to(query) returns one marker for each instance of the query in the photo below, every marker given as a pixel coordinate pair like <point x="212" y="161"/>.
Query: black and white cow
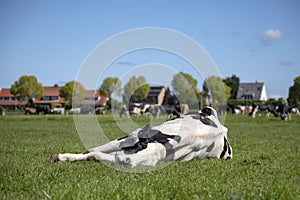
<point x="263" y="108"/>
<point x="285" y="111"/>
<point x="2" y="112"/>
<point x="192" y="136"/>
<point x="170" y="110"/>
<point x="124" y="112"/>
<point x="77" y="111"/>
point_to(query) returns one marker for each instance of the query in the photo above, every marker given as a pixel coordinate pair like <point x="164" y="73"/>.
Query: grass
<point x="265" y="164"/>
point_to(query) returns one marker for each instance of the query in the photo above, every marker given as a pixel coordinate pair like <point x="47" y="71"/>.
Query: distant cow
<point x="29" y="110"/>
<point x="170" y="110"/>
<point x="2" y="112"/>
<point x="100" y="110"/>
<point x="77" y="111"/>
<point x="263" y="108"/>
<point x="74" y="111"/>
<point x="192" y="136"/>
<point x="37" y="110"/>
<point x="60" y="111"/>
<point x="124" y="112"/>
<point x="285" y="111"/>
<point x="135" y="109"/>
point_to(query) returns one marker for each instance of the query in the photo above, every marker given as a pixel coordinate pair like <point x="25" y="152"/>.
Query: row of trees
<point x="28" y="88"/>
<point x="184" y="86"/>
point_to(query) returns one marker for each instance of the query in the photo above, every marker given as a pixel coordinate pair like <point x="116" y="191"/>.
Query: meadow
<point x="265" y="164"/>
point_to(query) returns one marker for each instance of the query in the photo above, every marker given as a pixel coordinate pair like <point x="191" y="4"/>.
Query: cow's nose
<point x="126" y="162"/>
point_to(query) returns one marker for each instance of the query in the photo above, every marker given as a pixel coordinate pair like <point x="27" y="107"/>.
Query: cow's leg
<point x="254" y="112"/>
<point x="102" y="152"/>
<point x="290" y="116"/>
<point x="66" y="157"/>
<point x="110" y="147"/>
<point x="150" y="156"/>
<point x="69" y="157"/>
<point x="297" y="112"/>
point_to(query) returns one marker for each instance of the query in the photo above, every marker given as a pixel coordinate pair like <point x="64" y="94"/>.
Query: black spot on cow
<point x="208" y="111"/>
<point x="203" y="117"/>
<point x="148" y="135"/>
<point x="210" y="147"/>
<point x="225" y="148"/>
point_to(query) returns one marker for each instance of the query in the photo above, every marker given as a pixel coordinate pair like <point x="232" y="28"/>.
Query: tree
<point x="184" y="86"/>
<point x="110" y="85"/>
<point x="27" y="88"/>
<point x="167" y="96"/>
<point x="233" y="82"/>
<point x="294" y="92"/>
<point x="220" y="92"/>
<point x="137" y="88"/>
<point x="73" y="91"/>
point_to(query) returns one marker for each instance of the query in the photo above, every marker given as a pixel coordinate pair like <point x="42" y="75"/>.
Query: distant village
<point x="246" y="91"/>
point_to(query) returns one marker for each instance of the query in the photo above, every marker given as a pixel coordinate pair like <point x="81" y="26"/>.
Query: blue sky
<point x="255" y="40"/>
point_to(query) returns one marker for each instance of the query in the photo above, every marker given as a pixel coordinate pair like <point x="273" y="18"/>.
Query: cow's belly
<point x="152" y="155"/>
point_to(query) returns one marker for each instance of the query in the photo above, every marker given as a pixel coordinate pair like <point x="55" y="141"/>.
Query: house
<point x="252" y="91"/>
<point x="156" y="95"/>
<point x="8" y="100"/>
<point x="93" y="97"/>
<point x="51" y="97"/>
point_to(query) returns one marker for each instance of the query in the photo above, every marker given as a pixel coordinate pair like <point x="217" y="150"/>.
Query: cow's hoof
<point x="53" y="158"/>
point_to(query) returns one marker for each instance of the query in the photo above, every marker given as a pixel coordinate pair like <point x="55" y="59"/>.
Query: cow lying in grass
<point x="191" y="136"/>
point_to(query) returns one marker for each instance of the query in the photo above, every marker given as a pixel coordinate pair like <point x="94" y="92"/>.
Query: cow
<point x="2" y="111"/>
<point x="37" y="110"/>
<point x="135" y="109"/>
<point x="100" y="110"/>
<point x="285" y="111"/>
<point x="170" y="110"/>
<point x="295" y="108"/>
<point x="224" y="108"/>
<point x="60" y="111"/>
<point x="264" y="108"/>
<point x="124" y="111"/>
<point x="194" y="135"/>
<point x="145" y="109"/>
<point x="74" y="111"/>
<point x="30" y="111"/>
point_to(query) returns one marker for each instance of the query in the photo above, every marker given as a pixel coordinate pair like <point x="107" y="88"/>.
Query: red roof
<point x="94" y="94"/>
<point x="53" y="91"/>
<point x="5" y="92"/>
<point x="12" y="102"/>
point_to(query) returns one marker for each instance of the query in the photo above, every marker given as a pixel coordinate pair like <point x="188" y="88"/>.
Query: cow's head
<point x="219" y="148"/>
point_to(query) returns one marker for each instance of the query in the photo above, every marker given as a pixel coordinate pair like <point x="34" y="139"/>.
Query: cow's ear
<point x="147" y="127"/>
<point x="209" y="111"/>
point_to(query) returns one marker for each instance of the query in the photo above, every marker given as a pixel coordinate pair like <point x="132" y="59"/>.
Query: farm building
<point x="51" y="97"/>
<point x="93" y="97"/>
<point x="8" y="100"/>
<point x="252" y="91"/>
<point x="155" y="96"/>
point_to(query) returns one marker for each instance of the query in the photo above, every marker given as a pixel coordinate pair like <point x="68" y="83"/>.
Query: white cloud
<point x="286" y="63"/>
<point x="270" y="36"/>
<point x="126" y="63"/>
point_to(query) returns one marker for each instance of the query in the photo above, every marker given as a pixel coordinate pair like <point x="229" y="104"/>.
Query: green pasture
<point x="265" y="164"/>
